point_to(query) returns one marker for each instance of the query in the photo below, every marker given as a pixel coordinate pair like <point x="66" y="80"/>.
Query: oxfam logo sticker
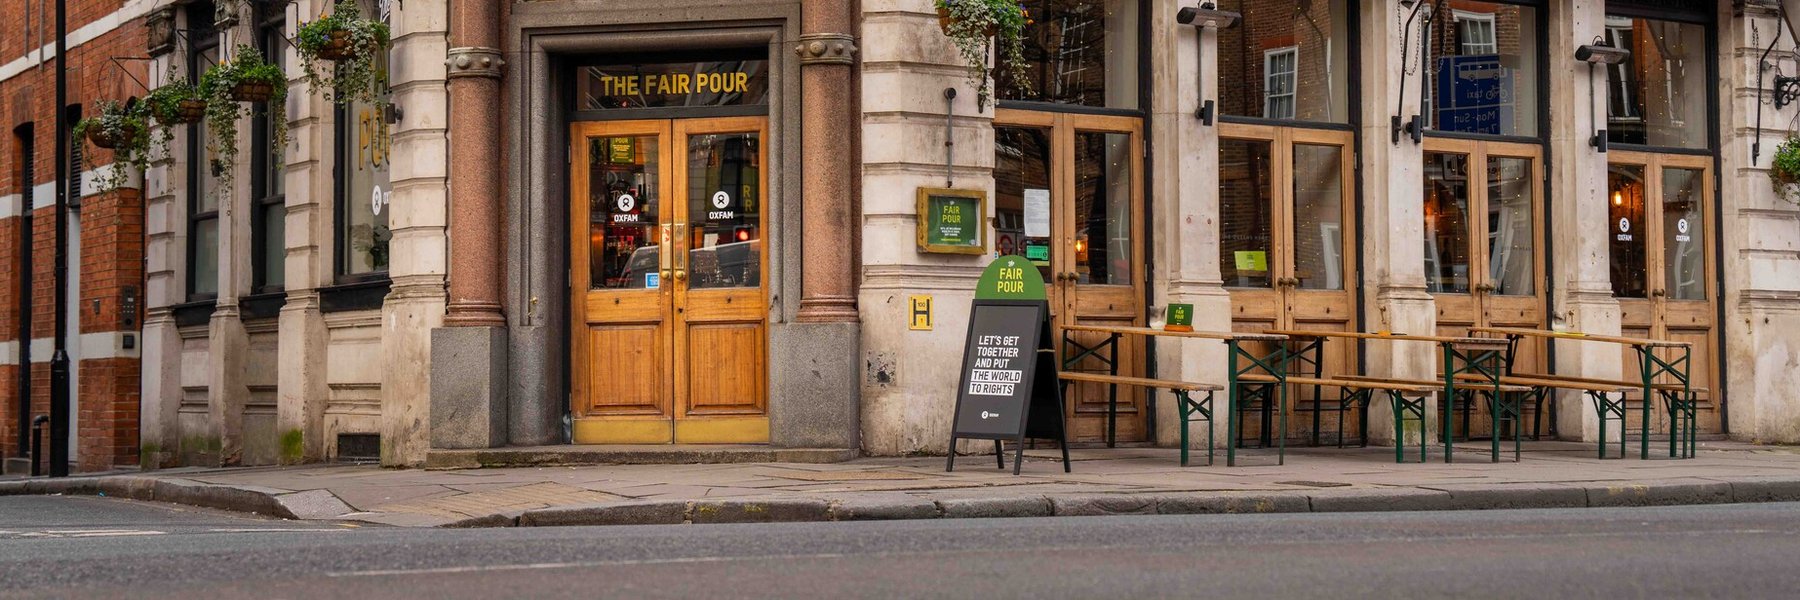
<point x="625" y="203"/>
<point x="985" y="415"/>
<point x="1624" y="225"/>
<point x="721" y="200"/>
<point x="1681" y="226"/>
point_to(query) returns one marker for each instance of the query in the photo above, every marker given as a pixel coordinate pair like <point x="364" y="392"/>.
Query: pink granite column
<point x="827" y="53"/>
<point x="475" y="165"/>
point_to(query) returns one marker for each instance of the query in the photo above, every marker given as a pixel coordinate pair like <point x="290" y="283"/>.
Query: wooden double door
<point x="1662" y="263"/>
<point x="1287" y="238"/>
<point x="669" y="339"/>
<point x="1484" y="231"/>
<point x="1069" y="198"/>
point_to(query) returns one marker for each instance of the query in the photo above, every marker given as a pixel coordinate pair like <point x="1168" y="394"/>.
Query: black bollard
<point x="37" y="444"/>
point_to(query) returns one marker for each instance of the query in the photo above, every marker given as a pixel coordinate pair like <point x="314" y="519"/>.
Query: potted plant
<point x="1784" y="171"/>
<point x="970" y="24"/>
<point x="121" y="128"/>
<point x="245" y="77"/>
<point x="351" y="43"/>
<point x="177" y="103"/>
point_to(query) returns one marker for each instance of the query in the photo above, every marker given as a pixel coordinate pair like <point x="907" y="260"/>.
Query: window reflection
<point x="1446" y="223"/>
<point x="1658" y="96"/>
<point x="623" y="204"/>
<point x="1510" y="227"/>
<point x="1684" y="234"/>
<point x="1318" y="217"/>
<point x="724" y="211"/>
<point x="1081" y="52"/>
<point x="1246" y="211"/>
<point x="1286" y="60"/>
<point x="1482" y="64"/>
<point x="1625" y="202"/>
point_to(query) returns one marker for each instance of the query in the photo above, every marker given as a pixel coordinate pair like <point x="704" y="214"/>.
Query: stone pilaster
<point x="1761" y="258"/>
<point x="1393" y="214"/>
<point x="165" y="247"/>
<point x="1185" y="188"/>
<point x="1578" y="213"/>
<point x="301" y="388"/>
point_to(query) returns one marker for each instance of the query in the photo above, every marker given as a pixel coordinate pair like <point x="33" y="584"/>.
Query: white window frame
<point x="1466" y="20"/>
<point x="1293" y="82"/>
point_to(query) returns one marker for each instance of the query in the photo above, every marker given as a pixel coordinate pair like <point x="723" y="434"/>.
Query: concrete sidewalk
<point x="1104" y="481"/>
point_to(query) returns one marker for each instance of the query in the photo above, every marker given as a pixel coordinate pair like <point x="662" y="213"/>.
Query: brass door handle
<point x="1659" y="292"/>
<point x="681" y="275"/>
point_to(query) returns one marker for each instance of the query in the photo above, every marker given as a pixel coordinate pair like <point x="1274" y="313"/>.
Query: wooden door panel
<point x="1700" y="376"/>
<point x="626" y="374"/>
<point x="725" y="367"/>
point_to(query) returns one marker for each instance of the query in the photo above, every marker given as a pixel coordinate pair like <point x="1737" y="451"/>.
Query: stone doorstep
<point x="563" y="456"/>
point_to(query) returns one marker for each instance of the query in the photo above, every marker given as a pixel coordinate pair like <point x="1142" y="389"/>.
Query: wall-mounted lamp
<point x="1599" y="53"/>
<point x="1413" y="128"/>
<point x="1207" y="14"/>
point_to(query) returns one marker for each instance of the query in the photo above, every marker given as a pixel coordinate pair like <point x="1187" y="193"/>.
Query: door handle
<point x="681" y="276"/>
<point x="1659" y="292"/>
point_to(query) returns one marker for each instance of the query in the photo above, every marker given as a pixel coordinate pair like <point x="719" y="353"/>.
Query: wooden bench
<point x="1183" y="391"/>
<point x="1360" y="390"/>
<point x="1682" y="403"/>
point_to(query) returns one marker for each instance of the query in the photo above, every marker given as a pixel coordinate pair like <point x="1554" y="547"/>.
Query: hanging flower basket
<point x="1784" y="170"/>
<point x="337" y="46"/>
<point x="177" y="103"/>
<point x="252" y="91"/>
<point x="353" y="45"/>
<point x="245" y="77"/>
<point x="972" y="24"/>
<point x="947" y="22"/>
<point x="111" y="138"/>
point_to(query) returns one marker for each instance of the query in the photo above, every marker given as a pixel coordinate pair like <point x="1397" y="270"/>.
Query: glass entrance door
<point x="1069" y="198"/>
<point x="1287" y="236"/>
<point x="669" y="307"/>
<point x="1662" y="263"/>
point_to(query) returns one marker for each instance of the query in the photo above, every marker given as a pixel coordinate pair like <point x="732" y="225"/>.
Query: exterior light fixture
<point x="1399" y="125"/>
<point x="1599" y="53"/>
<point x="1207" y="14"/>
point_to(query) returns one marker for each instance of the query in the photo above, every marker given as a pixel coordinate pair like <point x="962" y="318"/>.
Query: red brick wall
<point x="112" y="236"/>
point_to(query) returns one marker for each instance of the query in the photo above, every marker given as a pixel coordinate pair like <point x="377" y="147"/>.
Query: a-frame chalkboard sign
<point x="1008" y="389"/>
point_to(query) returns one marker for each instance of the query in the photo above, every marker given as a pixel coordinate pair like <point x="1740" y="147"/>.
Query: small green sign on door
<point x="952" y="221"/>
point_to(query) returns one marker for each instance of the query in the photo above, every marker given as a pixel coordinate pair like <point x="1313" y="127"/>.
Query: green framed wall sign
<point x="952" y="221"/>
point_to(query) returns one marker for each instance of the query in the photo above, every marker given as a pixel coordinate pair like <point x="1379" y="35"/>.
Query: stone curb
<point x="321" y="504"/>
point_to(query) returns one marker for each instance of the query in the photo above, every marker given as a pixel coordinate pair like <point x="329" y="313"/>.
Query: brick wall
<point x="112" y="238"/>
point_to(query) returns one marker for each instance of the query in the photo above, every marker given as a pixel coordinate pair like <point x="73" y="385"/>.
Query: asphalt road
<point x="92" y="547"/>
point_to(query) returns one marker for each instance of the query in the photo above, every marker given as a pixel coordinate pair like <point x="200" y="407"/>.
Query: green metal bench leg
<point x="1181" y="399"/>
<point x="1189" y="408"/>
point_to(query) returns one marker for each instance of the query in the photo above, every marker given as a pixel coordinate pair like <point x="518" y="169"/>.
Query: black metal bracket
<point x="1205" y="114"/>
<point x="1787" y="90"/>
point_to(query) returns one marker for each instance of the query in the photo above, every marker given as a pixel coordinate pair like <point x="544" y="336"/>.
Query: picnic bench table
<point x="1478" y="362"/>
<point x="1679" y="396"/>
<point x="1239" y="360"/>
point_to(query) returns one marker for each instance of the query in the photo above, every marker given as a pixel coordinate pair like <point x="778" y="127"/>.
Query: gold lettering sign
<point x="722" y="83"/>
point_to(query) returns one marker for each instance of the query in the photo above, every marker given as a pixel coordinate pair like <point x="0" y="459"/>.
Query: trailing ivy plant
<point x="176" y="103"/>
<point x="222" y="85"/>
<point x="971" y="23"/>
<point x="1784" y="173"/>
<point x="352" y="43"/>
<point x="122" y="128"/>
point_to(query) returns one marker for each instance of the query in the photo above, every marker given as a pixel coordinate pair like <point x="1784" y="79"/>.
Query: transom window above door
<point x="1078" y="52"/>
<point x="1286" y="61"/>
<point x="1483" y="63"/>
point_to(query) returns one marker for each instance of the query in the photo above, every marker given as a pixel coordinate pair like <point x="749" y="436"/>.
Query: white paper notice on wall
<point x="1037" y="213"/>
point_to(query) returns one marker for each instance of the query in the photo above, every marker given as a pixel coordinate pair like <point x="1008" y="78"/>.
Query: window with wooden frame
<point x="268" y="210"/>
<point x="204" y="168"/>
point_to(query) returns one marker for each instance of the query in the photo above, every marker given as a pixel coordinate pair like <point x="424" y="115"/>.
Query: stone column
<point x="827" y="55"/>
<point x="820" y="350"/>
<point x="469" y="379"/>
<point x="1185" y="178"/>
<point x="1393" y="272"/>
<point x="1580" y="258"/>
<point x="301" y="389"/>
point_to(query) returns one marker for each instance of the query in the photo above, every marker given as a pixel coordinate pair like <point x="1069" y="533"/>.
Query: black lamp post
<point x="59" y="360"/>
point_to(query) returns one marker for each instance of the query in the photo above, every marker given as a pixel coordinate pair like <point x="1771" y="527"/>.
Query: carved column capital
<point x="474" y="62"/>
<point x="826" y="49"/>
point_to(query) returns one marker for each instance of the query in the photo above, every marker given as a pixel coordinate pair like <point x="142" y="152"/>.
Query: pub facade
<point x="704" y="225"/>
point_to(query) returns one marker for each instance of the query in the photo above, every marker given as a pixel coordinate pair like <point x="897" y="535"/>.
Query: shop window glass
<point x="1022" y="195"/>
<point x="1306" y="42"/>
<point x="1079" y="52"/>
<point x="204" y="169"/>
<point x="1483" y="69"/>
<point x="1246" y="207"/>
<point x="268" y="234"/>
<point x="1511" y="235"/>
<point x="1103" y="208"/>
<point x="1625" y="201"/>
<point x="1658" y="96"/>
<point x="724" y="210"/>
<point x="1684" y="233"/>
<point x="624" y="209"/>
<point x="364" y="192"/>
<point x="1446" y="223"/>
<point x="1319" y="217"/>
